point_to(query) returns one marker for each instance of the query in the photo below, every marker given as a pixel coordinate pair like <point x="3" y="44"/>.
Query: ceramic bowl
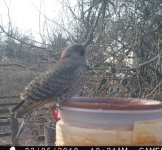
<point x="109" y="113"/>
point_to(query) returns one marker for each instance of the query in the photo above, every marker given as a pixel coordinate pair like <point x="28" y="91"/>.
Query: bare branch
<point x="62" y="27"/>
<point x="117" y="87"/>
<point x="153" y="90"/>
<point x="19" y="40"/>
<point x="138" y="67"/>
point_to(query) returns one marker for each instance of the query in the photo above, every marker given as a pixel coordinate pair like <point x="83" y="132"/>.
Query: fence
<point x="45" y="132"/>
<point x="5" y="117"/>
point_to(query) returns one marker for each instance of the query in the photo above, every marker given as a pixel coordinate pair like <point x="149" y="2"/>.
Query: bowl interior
<point x="109" y="103"/>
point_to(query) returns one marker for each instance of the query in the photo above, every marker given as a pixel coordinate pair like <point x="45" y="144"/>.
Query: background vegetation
<point x="125" y="55"/>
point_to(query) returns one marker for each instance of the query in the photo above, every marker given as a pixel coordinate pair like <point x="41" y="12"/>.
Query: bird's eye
<point x="82" y="52"/>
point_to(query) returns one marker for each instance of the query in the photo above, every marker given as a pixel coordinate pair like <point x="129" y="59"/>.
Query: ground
<point x="33" y="133"/>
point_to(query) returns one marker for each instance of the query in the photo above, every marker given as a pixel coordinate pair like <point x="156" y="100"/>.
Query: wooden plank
<point x="49" y="132"/>
<point x="5" y="121"/>
<point x="5" y="134"/>
<point x="4" y="117"/>
<point x="41" y="138"/>
<point x="8" y="104"/>
<point x="4" y="110"/>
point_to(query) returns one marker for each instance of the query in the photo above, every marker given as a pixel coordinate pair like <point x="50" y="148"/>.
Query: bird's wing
<point x="81" y="76"/>
<point x="48" y="85"/>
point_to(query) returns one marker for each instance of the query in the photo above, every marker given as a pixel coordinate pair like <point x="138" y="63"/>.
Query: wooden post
<point x="49" y="133"/>
<point x="14" y="129"/>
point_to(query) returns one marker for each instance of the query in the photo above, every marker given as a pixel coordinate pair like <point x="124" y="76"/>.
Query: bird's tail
<point x="21" y="110"/>
<point x="26" y="107"/>
<point x="17" y="106"/>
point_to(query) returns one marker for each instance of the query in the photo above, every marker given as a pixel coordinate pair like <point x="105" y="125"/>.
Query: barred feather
<point x="61" y="83"/>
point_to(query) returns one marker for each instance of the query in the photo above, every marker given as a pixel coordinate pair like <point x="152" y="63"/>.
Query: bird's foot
<point x="54" y="110"/>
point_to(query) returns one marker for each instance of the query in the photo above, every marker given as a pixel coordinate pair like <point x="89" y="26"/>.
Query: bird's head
<point x="75" y="53"/>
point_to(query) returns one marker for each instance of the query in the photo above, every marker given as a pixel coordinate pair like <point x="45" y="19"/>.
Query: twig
<point x="153" y="90"/>
<point x="21" y="41"/>
<point x="117" y="87"/>
<point x="138" y="67"/>
<point x="55" y="23"/>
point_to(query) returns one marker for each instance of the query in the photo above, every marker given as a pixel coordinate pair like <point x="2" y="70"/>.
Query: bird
<point x="62" y="82"/>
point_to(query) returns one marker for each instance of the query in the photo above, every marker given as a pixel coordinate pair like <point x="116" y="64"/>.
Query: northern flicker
<point x="57" y="85"/>
<point x="63" y="82"/>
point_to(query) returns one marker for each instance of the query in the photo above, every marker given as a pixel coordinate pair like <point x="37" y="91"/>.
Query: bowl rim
<point x="112" y="103"/>
<point x="104" y="111"/>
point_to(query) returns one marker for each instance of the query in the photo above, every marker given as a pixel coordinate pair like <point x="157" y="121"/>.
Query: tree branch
<point x="21" y="41"/>
<point x="136" y="68"/>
